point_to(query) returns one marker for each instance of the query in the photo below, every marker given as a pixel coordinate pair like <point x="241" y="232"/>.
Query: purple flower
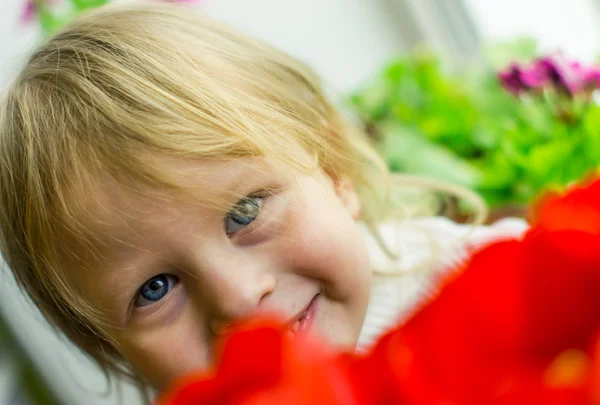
<point x="565" y="76"/>
<point x="28" y="13"/>
<point x="534" y="78"/>
<point x="555" y="71"/>
<point x="591" y="79"/>
<point x="511" y="79"/>
<point x="517" y="80"/>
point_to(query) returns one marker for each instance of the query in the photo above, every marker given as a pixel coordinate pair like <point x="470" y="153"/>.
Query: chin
<point x="339" y="338"/>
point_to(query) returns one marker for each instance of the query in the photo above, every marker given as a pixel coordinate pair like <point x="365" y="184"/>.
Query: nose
<point x="237" y="289"/>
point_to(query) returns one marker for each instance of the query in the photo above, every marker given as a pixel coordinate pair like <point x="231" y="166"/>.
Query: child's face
<point x="175" y="274"/>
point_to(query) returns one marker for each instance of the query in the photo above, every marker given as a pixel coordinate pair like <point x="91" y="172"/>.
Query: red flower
<point x="518" y="323"/>
<point x="262" y="365"/>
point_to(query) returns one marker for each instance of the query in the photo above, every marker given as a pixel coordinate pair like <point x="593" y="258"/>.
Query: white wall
<point x="569" y="25"/>
<point x="343" y="40"/>
<point x="16" y="39"/>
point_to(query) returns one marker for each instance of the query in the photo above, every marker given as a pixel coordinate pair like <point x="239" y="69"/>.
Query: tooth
<point x="296" y="326"/>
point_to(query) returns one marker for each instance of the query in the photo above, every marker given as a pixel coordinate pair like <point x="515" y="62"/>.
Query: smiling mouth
<point x="304" y="320"/>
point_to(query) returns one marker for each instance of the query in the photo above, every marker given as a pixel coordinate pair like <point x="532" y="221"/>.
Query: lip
<point x="303" y="320"/>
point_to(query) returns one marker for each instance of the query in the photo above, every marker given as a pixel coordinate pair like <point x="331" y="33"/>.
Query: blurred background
<point x="497" y="96"/>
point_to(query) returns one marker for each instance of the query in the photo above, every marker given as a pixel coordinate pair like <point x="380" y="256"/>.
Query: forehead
<point x="205" y="183"/>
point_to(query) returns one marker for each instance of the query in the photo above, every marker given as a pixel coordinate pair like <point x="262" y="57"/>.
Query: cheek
<point x="326" y="243"/>
<point x="168" y="352"/>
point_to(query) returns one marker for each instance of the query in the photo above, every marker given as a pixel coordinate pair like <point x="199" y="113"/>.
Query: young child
<point x="164" y="176"/>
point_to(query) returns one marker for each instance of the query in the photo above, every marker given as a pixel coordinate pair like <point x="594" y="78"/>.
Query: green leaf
<point x="49" y="22"/>
<point x="501" y="54"/>
<point x="406" y="151"/>
<point x="81" y="5"/>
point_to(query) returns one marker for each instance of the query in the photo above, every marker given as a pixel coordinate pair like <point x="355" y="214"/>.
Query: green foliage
<point x="463" y="127"/>
<point x="52" y="18"/>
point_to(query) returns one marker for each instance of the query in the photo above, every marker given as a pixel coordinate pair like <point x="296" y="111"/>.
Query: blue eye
<point x="243" y="214"/>
<point x="155" y="289"/>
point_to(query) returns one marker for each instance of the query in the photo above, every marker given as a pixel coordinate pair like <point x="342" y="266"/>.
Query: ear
<point x="344" y="188"/>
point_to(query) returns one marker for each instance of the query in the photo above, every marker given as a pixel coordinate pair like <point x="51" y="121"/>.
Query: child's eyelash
<point x="261" y="193"/>
<point x="248" y="207"/>
<point x="264" y="192"/>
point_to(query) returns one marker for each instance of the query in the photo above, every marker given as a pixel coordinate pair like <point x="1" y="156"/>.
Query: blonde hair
<point x="124" y="80"/>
